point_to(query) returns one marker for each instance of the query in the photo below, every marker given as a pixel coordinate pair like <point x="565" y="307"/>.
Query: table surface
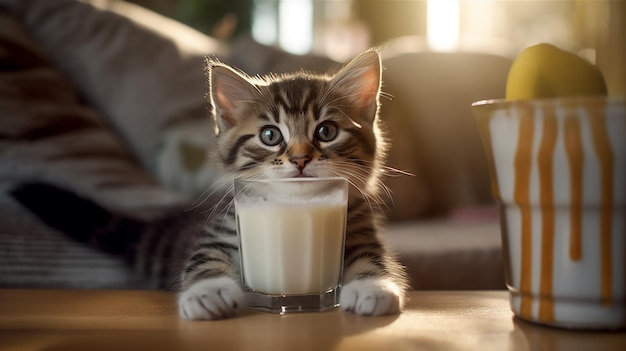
<point x="148" y="320"/>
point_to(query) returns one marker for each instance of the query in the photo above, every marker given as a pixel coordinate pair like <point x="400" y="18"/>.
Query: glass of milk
<point x="291" y="239"/>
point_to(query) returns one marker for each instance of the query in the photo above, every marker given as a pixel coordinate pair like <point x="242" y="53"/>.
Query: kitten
<point x="299" y="125"/>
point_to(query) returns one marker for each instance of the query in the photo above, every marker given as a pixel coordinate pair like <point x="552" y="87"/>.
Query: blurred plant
<point x="222" y="19"/>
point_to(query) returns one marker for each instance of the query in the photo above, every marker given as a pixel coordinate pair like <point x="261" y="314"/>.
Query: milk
<point x="291" y="249"/>
<point x="291" y="236"/>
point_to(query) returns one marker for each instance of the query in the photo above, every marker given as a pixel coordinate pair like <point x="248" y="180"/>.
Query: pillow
<point x="139" y="69"/>
<point x="48" y="135"/>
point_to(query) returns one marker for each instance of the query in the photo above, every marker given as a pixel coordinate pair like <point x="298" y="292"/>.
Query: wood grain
<point x="148" y="320"/>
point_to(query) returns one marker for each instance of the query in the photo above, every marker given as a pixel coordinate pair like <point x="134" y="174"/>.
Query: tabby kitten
<point x="298" y="125"/>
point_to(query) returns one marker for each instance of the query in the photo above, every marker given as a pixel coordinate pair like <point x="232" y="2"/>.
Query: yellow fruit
<point x="545" y="71"/>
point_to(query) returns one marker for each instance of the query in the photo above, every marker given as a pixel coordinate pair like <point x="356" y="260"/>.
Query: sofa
<point x="87" y="89"/>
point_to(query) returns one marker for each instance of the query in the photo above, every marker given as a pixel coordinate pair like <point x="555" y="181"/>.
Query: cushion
<point x="139" y="69"/>
<point x="47" y="134"/>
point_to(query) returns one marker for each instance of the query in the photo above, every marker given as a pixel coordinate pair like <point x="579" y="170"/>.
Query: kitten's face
<point x="299" y="125"/>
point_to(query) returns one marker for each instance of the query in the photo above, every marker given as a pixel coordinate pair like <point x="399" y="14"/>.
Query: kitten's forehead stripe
<point x="317" y="111"/>
<point x="274" y="112"/>
<point x="296" y="95"/>
<point x="279" y="99"/>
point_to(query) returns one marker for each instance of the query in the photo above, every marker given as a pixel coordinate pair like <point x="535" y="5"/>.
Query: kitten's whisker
<point x="218" y="208"/>
<point x="231" y="203"/>
<point x="352" y="170"/>
<point x="201" y="199"/>
<point x="224" y="186"/>
<point x="395" y="172"/>
<point x="386" y="95"/>
<point x="353" y="179"/>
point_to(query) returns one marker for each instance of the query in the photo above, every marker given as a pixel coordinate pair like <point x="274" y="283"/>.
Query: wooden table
<point x="148" y="320"/>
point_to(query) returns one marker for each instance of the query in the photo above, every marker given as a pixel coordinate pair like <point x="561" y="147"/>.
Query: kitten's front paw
<point x="372" y="297"/>
<point x="210" y="299"/>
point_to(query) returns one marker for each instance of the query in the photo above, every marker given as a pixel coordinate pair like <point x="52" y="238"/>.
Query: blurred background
<point x="140" y="74"/>
<point x="340" y="29"/>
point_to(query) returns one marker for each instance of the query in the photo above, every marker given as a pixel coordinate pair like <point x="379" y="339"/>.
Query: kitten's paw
<point x="210" y="299"/>
<point x="371" y="297"/>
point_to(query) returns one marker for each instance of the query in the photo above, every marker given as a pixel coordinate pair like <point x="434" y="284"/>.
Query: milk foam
<point x="336" y="198"/>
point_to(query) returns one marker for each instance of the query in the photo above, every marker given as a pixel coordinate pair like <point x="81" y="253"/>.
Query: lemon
<point x="545" y="71"/>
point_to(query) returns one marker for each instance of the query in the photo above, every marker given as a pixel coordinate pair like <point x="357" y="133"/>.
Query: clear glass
<point x="291" y="237"/>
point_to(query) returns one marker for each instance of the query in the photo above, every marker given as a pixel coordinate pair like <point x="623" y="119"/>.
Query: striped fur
<point x="299" y="115"/>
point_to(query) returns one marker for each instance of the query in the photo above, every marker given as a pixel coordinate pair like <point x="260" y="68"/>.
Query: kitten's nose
<point x="300" y="161"/>
<point x="300" y="153"/>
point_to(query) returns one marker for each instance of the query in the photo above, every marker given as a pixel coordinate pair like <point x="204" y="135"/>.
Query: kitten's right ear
<point x="228" y="89"/>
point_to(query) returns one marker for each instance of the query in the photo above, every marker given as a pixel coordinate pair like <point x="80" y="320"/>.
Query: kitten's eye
<point x="327" y="131"/>
<point x="271" y="136"/>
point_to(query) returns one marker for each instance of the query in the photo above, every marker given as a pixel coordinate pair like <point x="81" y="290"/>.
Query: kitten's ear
<point x="359" y="81"/>
<point x="228" y="89"/>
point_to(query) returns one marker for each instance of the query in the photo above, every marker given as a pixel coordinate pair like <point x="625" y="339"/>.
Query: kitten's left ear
<point x="229" y="89"/>
<point x="359" y="81"/>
